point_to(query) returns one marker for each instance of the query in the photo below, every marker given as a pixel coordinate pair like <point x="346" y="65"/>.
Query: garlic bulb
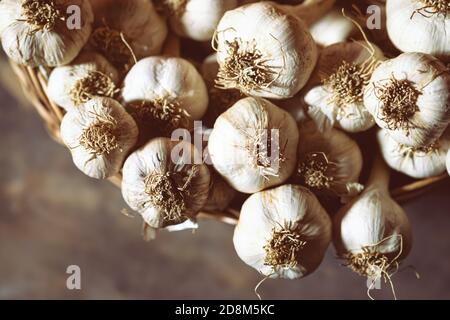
<point x="420" y="162"/>
<point x="283" y="232"/>
<point x="220" y="193"/>
<point x="163" y="182"/>
<point x="344" y="70"/>
<point x="264" y="51"/>
<point x="127" y="30"/>
<point x="328" y="163"/>
<point x="195" y="19"/>
<point x="420" y="26"/>
<point x="165" y="93"/>
<point x="40" y="32"/>
<point x="409" y="96"/>
<point x="372" y="233"/>
<point x="253" y="145"/>
<point x="332" y="28"/>
<point x="99" y="136"/>
<point x="89" y="75"/>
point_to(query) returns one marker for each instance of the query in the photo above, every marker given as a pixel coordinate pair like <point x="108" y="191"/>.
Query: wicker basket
<point x="34" y="83"/>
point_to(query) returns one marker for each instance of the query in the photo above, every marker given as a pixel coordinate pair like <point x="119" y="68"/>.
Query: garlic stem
<point x="380" y="174"/>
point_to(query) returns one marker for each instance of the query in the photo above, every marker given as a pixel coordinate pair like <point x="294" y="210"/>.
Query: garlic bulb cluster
<point x="99" y="135"/>
<point x="195" y="19"/>
<point x="163" y="182"/>
<point x="328" y="163"/>
<point x="409" y="96"/>
<point x="253" y="145"/>
<point x="419" y="162"/>
<point x="344" y="69"/>
<point x="332" y="28"/>
<point x="264" y="51"/>
<point x="88" y="76"/>
<point x="127" y="30"/>
<point x="165" y="93"/>
<point x="40" y="32"/>
<point x="283" y="232"/>
<point x="372" y="233"/>
<point x="420" y="26"/>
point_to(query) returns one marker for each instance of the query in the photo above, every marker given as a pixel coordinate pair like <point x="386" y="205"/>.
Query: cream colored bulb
<point x="39" y="32"/>
<point x="99" y="135"/>
<point x="409" y="96"/>
<point x="282" y="232"/>
<point x="264" y="51"/>
<point x="88" y="76"/>
<point x="164" y="184"/>
<point x="420" y="163"/>
<point x="253" y="145"/>
<point x="344" y="71"/>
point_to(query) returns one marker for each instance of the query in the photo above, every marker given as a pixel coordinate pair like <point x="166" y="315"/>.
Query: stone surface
<point x="52" y="216"/>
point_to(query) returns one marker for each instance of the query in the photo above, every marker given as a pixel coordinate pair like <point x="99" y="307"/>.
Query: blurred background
<point x="52" y="216"/>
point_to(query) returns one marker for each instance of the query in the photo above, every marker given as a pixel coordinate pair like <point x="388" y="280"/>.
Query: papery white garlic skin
<point x="332" y="28"/>
<point x="27" y="44"/>
<point x="431" y="79"/>
<point x="63" y="79"/>
<point x="372" y="220"/>
<point x="173" y="79"/>
<point x="340" y="152"/>
<point x="175" y="160"/>
<point x="348" y="116"/>
<point x="240" y="137"/>
<point x="273" y="209"/>
<point x="198" y="19"/>
<point x="143" y="29"/>
<point x="412" y="27"/>
<point x="287" y="50"/>
<point x="99" y="110"/>
<point x="417" y="163"/>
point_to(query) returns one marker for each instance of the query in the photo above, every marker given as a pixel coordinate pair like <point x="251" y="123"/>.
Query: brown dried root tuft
<point x="398" y="103"/>
<point x="171" y="7"/>
<point x="433" y="7"/>
<point x="169" y="192"/>
<point x="95" y="83"/>
<point x="164" y="114"/>
<point x="347" y="83"/>
<point x="113" y="45"/>
<point x="314" y="171"/>
<point x="374" y="265"/>
<point x="265" y="151"/>
<point x="101" y="137"/>
<point x="408" y="151"/>
<point x="245" y="68"/>
<point x="283" y="248"/>
<point x="42" y="14"/>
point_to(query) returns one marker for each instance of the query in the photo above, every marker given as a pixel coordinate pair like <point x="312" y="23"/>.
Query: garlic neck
<point x="379" y="175"/>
